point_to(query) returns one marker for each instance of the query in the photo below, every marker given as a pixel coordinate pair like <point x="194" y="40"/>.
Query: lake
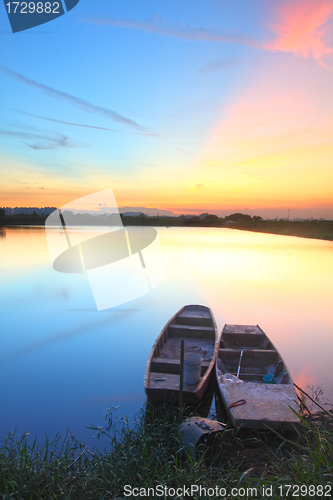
<point x="63" y="363"/>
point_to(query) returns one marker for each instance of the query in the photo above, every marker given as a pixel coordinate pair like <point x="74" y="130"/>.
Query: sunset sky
<point x="188" y="106"/>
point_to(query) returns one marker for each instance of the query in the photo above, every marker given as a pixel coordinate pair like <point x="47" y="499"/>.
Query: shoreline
<point x="320" y="230"/>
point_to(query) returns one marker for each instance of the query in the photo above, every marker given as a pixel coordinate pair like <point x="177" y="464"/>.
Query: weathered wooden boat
<point x="254" y="383"/>
<point x="196" y="325"/>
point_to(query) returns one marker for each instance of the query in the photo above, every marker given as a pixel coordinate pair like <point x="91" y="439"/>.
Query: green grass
<point x="149" y="454"/>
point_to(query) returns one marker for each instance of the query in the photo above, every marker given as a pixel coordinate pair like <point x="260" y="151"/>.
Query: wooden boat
<point x="250" y="369"/>
<point x="196" y="325"/>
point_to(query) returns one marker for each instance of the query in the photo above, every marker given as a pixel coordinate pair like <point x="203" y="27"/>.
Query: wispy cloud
<point x="187" y="152"/>
<point x="68" y="98"/>
<point x="215" y="66"/>
<point x="38" y="141"/>
<point x="63" y="122"/>
<point x="249" y="178"/>
<point x="301" y="28"/>
<point x="164" y="27"/>
<point x="61" y="142"/>
<point x="83" y="125"/>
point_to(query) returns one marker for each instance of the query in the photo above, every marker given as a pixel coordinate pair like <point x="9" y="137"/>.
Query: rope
<point x="237" y="403"/>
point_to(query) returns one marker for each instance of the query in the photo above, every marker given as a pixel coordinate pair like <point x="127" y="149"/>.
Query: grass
<point x="149" y="454"/>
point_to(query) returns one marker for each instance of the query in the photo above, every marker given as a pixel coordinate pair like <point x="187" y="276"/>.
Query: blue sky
<point x="161" y="102"/>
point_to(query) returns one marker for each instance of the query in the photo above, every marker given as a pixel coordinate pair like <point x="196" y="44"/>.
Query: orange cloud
<point x="301" y="28"/>
<point x="273" y="145"/>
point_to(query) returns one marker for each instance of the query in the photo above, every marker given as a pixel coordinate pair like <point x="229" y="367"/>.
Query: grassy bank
<point x="322" y="230"/>
<point x="149" y="454"/>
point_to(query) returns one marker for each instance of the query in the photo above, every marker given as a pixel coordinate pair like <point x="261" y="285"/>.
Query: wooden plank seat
<point x="237" y="350"/>
<point x="167" y="381"/>
<point x="255" y="357"/>
<point x="184" y="331"/>
<point x="167" y="365"/>
<point x="196" y="318"/>
<point x="246" y="336"/>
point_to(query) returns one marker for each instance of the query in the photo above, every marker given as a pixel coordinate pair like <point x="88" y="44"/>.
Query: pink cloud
<point x="270" y="126"/>
<point x="301" y="28"/>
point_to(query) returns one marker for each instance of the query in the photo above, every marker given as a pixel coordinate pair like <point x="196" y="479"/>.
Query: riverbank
<point x="322" y="230"/>
<point x="235" y="464"/>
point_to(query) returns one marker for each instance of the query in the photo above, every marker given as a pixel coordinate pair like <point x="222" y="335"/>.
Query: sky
<point x="214" y="106"/>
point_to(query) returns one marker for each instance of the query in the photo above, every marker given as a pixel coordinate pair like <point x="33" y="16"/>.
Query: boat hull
<point x="195" y="325"/>
<point x="249" y="401"/>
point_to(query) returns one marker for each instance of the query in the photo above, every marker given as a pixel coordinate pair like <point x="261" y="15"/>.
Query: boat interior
<point x="246" y="353"/>
<point x="194" y="324"/>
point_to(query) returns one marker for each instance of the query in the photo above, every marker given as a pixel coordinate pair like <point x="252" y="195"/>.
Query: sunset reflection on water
<point x="64" y="362"/>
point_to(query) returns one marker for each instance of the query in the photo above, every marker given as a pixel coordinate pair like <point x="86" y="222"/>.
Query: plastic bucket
<point x="269" y="378"/>
<point x="192" y="368"/>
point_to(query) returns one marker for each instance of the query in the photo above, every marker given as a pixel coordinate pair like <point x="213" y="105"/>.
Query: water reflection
<point x="62" y="362"/>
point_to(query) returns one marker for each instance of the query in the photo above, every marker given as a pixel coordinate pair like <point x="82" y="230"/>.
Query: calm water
<point x="62" y="363"/>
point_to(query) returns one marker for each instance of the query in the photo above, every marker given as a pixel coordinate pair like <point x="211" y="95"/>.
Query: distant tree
<point x="238" y="217"/>
<point x="257" y="217"/>
<point x="211" y="217"/>
<point x="2" y="212"/>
